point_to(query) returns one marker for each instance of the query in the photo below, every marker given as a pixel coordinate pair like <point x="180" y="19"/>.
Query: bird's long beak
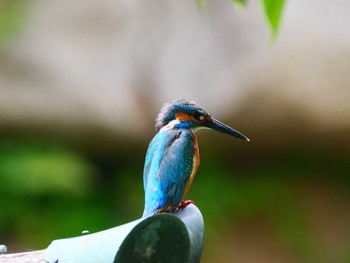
<point x="220" y="127"/>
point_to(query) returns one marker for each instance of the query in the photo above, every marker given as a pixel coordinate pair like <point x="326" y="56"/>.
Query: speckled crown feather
<point x="168" y="111"/>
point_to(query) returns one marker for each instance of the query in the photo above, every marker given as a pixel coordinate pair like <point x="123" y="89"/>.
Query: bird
<point x="172" y="157"/>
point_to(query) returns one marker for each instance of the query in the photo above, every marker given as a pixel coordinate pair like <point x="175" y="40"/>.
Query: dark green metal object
<point x="174" y="237"/>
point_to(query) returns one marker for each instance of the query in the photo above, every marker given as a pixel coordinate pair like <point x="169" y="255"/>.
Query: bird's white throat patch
<point x="170" y="125"/>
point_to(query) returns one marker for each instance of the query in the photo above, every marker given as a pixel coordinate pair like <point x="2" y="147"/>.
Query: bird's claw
<point x="184" y="203"/>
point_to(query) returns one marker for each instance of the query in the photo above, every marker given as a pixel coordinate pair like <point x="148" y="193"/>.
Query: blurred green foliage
<point x="239" y="3"/>
<point x="273" y="10"/>
<point x="49" y="191"/>
<point x="12" y="14"/>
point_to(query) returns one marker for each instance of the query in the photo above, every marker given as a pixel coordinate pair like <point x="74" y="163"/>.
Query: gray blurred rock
<point x="109" y="65"/>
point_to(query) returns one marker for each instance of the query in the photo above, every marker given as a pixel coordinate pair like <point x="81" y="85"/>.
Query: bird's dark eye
<point x="198" y="117"/>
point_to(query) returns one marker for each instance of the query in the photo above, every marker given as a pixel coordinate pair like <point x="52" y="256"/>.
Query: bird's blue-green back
<point x="168" y="166"/>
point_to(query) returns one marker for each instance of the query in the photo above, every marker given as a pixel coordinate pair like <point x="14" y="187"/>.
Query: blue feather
<point x="168" y="166"/>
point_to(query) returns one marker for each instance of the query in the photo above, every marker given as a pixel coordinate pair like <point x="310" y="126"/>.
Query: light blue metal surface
<point x="103" y="246"/>
<point x="98" y="247"/>
<point x="3" y="249"/>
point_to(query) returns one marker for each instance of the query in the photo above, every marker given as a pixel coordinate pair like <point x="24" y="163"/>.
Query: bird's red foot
<point x="184" y="203"/>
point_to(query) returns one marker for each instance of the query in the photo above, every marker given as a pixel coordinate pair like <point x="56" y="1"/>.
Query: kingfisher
<point x="172" y="157"/>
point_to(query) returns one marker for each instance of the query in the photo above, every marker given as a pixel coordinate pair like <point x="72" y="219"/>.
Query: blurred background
<point x="81" y="83"/>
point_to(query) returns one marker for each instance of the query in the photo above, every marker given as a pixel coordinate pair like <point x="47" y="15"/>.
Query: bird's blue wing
<point x="168" y="166"/>
<point x="177" y="164"/>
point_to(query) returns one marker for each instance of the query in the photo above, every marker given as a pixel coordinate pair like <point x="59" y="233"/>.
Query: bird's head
<point x="188" y="115"/>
